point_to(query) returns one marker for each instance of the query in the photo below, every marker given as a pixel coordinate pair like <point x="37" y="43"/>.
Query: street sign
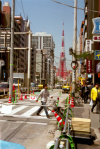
<point x="96" y="29"/>
<point x="96" y="38"/>
<point x="73" y="75"/>
<point x="88" y="45"/>
<point x="89" y="66"/>
<point x="97" y="55"/>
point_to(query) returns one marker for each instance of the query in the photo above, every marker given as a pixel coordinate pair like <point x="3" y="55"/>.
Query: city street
<point x="24" y="127"/>
<point x="30" y="132"/>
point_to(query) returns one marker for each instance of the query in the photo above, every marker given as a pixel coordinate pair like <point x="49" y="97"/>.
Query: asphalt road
<point x="31" y="131"/>
<point x="28" y="131"/>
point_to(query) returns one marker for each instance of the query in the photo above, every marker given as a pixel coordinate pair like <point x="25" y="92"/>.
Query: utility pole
<point x="12" y="47"/>
<point x="74" y="45"/>
<point x="51" y="74"/>
<point x="29" y="63"/>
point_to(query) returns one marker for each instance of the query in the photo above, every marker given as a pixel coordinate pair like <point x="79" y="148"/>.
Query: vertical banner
<point x="88" y="45"/>
<point x="73" y="75"/>
<point x="89" y="66"/>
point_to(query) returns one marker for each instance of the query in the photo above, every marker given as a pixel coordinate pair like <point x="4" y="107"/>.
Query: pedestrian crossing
<point x="23" y="111"/>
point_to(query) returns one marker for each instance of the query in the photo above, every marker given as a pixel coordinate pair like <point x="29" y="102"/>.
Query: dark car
<point x="4" y="88"/>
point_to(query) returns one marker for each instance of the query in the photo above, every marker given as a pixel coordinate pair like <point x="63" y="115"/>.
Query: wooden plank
<point x="81" y="124"/>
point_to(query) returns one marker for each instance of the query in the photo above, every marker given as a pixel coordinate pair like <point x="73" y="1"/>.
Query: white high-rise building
<point x="45" y="46"/>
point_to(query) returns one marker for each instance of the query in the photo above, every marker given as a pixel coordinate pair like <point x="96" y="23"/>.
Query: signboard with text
<point x="88" y="45"/>
<point x="97" y="55"/>
<point x="89" y="66"/>
<point x="96" y="29"/>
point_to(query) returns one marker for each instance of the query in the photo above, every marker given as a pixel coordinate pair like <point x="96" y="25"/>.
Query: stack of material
<point x="81" y="125"/>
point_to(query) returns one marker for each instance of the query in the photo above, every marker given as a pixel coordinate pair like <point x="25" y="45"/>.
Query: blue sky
<point x="48" y="16"/>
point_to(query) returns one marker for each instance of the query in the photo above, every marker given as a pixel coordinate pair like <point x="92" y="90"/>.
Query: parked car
<point x="59" y="86"/>
<point x="65" y="88"/>
<point x="4" y="88"/>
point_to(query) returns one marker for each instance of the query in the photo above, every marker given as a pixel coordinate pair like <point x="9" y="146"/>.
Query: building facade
<point x="45" y="46"/>
<point x="20" y="57"/>
<point x="87" y="32"/>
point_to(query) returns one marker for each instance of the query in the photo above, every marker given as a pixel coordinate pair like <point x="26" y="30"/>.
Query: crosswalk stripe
<point x="31" y="111"/>
<point x="18" y="109"/>
<point x="43" y="113"/>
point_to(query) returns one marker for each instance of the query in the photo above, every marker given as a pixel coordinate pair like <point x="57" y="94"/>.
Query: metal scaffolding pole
<point x="12" y="47"/>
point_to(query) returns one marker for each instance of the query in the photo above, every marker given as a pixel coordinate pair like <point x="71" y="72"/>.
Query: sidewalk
<point x="95" y="124"/>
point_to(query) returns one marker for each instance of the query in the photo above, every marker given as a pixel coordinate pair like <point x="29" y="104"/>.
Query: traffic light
<point x="70" y="51"/>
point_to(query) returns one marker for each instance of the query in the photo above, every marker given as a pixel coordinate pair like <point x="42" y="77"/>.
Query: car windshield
<point x="4" y="86"/>
<point x="33" y="84"/>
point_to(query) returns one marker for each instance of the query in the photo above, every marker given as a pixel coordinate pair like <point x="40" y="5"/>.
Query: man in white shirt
<point x="43" y="94"/>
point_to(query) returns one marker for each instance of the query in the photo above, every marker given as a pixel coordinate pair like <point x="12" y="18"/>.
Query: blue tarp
<point x="9" y="145"/>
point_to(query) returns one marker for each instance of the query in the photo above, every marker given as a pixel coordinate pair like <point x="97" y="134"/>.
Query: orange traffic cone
<point x="9" y="99"/>
<point x="25" y="96"/>
<point x="59" y="119"/>
<point x="21" y="97"/>
<point x="72" y="103"/>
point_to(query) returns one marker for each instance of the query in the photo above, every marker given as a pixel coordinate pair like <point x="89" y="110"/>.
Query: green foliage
<point x="52" y="147"/>
<point x="82" y="56"/>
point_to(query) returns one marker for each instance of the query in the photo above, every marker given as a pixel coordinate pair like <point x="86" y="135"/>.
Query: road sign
<point x="97" y="55"/>
<point x="96" y="29"/>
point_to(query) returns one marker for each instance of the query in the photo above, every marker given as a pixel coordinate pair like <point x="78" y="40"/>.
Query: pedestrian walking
<point x="85" y="91"/>
<point x="94" y="95"/>
<point x="44" y="94"/>
<point x="90" y="88"/>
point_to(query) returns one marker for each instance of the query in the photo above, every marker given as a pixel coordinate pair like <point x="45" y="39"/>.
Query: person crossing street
<point x="44" y="94"/>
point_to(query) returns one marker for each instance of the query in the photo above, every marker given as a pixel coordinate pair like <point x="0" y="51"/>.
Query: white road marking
<point x="54" y="94"/>
<point x="32" y="117"/>
<point x="43" y="113"/>
<point x="18" y="109"/>
<point x="31" y="111"/>
<point x="22" y="122"/>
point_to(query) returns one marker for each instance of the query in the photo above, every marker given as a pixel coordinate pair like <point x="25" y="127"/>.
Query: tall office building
<point x="5" y="41"/>
<point x="45" y="47"/>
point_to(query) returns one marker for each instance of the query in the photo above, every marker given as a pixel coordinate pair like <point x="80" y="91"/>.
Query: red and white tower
<point x="62" y="70"/>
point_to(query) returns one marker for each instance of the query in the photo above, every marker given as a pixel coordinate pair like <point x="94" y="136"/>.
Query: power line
<point x="23" y="9"/>
<point x="19" y="4"/>
<point x="59" y="58"/>
<point x="73" y="6"/>
<point x="33" y="26"/>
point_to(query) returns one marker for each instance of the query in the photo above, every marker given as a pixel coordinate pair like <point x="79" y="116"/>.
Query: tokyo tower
<point x="62" y="70"/>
